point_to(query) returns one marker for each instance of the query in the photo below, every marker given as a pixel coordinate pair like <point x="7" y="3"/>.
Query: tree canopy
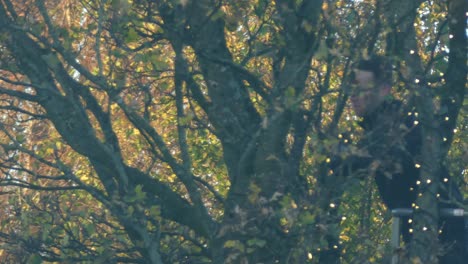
<point x="180" y="131"/>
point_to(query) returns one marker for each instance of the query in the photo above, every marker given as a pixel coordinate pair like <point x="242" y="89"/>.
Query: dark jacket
<point x="393" y="141"/>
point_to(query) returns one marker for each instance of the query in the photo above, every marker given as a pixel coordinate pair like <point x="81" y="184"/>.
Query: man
<point x="390" y="148"/>
<point x="392" y="136"/>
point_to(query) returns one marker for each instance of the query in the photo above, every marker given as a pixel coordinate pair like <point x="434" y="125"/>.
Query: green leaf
<point x="322" y="51"/>
<point x="219" y="14"/>
<point x="140" y="195"/>
<point x="20" y="138"/>
<point x="307" y="218"/>
<point x="256" y="242"/>
<point x="130" y="210"/>
<point x="132" y="36"/>
<point x="235" y="244"/>
<point x="35" y="259"/>
<point x="90" y="228"/>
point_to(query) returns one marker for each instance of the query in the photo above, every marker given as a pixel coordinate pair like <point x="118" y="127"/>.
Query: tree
<point x="201" y="131"/>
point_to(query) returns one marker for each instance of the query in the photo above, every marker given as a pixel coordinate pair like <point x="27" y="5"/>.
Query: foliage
<point x="179" y="131"/>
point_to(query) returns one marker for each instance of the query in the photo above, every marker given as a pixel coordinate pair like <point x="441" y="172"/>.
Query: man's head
<point x="371" y="84"/>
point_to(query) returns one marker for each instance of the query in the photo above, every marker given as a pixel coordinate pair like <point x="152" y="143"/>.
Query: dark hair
<point x="380" y="66"/>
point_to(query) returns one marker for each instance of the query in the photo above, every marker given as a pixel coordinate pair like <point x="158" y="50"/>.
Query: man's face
<point x="365" y="96"/>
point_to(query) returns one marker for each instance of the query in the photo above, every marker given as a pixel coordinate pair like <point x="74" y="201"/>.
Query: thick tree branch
<point x="455" y="88"/>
